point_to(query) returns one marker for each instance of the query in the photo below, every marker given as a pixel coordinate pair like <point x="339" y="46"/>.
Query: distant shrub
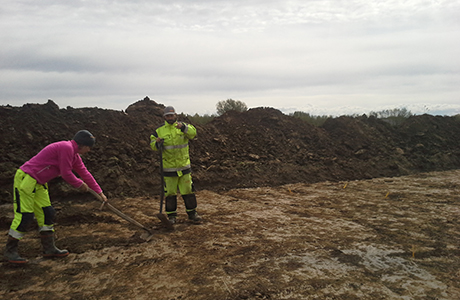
<point x="230" y="104"/>
<point x="394" y="116"/>
<point x="313" y="120"/>
<point x="197" y="119"/>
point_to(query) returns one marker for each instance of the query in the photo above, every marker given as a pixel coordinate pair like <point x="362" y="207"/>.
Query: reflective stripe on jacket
<point x="176" y="150"/>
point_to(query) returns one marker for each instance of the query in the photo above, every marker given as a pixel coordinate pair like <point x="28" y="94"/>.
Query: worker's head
<point x="85" y="140"/>
<point x="170" y="114"/>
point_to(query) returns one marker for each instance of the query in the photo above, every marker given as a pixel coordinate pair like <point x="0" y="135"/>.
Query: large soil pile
<point x="260" y="147"/>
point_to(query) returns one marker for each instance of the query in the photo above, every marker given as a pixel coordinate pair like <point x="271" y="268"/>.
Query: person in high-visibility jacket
<point x="31" y="197"/>
<point x="174" y="137"/>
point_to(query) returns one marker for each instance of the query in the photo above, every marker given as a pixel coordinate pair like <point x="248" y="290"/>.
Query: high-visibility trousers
<point x="30" y="199"/>
<point x="183" y="184"/>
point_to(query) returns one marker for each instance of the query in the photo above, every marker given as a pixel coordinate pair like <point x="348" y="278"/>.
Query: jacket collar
<point x="173" y="124"/>
<point x="74" y="146"/>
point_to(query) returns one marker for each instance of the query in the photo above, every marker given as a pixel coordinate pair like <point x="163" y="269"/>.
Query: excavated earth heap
<point x="259" y="147"/>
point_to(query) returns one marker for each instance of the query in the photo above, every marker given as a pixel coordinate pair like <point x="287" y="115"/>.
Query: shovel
<point x="145" y="236"/>
<point x="160" y="215"/>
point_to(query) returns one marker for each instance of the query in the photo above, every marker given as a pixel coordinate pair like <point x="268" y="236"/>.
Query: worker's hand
<point x="179" y="125"/>
<point x="103" y="197"/>
<point x="84" y="187"/>
<point x="159" y="140"/>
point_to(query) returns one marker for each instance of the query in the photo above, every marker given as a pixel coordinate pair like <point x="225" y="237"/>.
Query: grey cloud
<point x="258" y="50"/>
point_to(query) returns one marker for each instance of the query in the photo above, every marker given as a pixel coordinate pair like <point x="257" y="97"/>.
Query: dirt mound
<point x="319" y="233"/>
<point x="260" y="147"/>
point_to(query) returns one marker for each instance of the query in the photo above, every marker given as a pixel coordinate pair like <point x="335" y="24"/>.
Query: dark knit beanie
<point x="84" y="138"/>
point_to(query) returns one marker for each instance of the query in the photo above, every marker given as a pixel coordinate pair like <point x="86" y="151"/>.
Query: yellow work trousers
<point x="30" y="199"/>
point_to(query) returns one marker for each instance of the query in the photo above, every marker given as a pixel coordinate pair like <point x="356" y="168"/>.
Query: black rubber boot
<point x="190" y="205"/>
<point x="193" y="216"/>
<point x="172" y="219"/>
<point x="11" y="252"/>
<point x="49" y="249"/>
<point x="171" y="208"/>
<point x="171" y="205"/>
<point x="190" y="201"/>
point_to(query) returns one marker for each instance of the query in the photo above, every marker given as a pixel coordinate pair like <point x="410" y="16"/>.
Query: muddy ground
<point x="382" y="238"/>
<point x="355" y="209"/>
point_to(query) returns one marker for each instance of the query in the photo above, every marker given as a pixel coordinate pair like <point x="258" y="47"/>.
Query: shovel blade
<point x="164" y="220"/>
<point x="146" y="236"/>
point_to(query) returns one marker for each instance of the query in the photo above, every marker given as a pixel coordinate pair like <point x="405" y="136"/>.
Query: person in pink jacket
<point x="31" y="197"/>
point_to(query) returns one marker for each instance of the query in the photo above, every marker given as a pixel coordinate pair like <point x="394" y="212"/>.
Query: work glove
<point x="103" y="197"/>
<point x="84" y="187"/>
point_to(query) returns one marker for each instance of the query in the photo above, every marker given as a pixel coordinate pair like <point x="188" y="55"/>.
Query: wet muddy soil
<point x="381" y="238"/>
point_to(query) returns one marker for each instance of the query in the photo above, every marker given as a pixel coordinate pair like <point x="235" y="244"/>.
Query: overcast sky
<point x="325" y="57"/>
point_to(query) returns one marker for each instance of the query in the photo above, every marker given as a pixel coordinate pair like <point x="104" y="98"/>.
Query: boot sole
<point x="55" y="255"/>
<point x="17" y="262"/>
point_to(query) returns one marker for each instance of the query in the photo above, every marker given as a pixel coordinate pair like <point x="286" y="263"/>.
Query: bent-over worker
<point x="31" y="197"/>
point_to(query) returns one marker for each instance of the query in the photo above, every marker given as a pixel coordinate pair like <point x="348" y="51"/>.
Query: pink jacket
<point x="59" y="159"/>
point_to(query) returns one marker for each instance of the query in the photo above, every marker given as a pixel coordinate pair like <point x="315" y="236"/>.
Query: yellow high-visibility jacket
<point x="175" y="146"/>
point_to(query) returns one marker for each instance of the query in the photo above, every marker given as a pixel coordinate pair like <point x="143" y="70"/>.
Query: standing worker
<point x="31" y="195"/>
<point x="173" y="137"/>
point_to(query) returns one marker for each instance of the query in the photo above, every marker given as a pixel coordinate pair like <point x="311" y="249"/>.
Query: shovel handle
<point x="162" y="187"/>
<point x="96" y="195"/>
<point x="119" y="213"/>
